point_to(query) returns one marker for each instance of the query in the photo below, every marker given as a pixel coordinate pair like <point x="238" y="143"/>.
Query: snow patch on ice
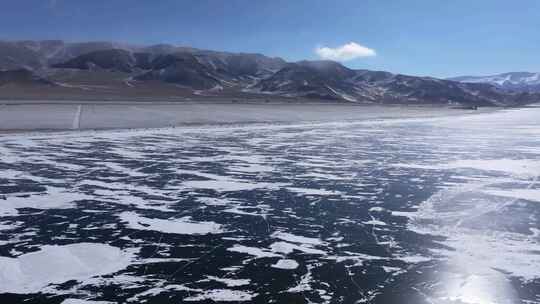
<point x="286" y="248"/>
<point x="182" y="225"/>
<point x="81" y="301"/>
<point x="254" y="251"/>
<point x="54" y="198"/>
<point x="230" y="282"/>
<point x="223" y="295"/>
<point x="53" y="264"/>
<point x="286" y="264"/>
<point x="296" y="239"/>
<point x="308" y="191"/>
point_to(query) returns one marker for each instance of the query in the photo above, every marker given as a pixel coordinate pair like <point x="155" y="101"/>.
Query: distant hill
<point x="513" y="81"/>
<point x="114" y="70"/>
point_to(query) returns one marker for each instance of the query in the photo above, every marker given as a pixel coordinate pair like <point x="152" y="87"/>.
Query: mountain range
<point x="106" y="70"/>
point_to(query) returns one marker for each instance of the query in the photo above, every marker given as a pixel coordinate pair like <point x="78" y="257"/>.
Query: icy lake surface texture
<point x="421" y="210"/>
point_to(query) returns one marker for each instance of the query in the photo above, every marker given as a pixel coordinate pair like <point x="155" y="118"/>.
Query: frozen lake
<point x="343" y="209"/>
<point x="106" y="115"/>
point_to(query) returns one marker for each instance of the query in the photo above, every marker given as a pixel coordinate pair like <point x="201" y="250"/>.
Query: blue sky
<point x="419" y="37"/>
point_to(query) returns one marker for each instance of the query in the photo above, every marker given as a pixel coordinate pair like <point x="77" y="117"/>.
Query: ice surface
<point x="472" y="248"/>
<point x="520" y="167"/>
<point x="344" y="211"/>
<point x="526" y="194"/>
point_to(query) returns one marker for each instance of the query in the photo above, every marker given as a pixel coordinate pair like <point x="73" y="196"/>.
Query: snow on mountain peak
<point x="523" y="81"/>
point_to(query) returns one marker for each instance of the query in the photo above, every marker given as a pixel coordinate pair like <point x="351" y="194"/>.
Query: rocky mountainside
<point x="513" y="81"/>
<point x="111" y="59"/>
<point x="117" y="70"/>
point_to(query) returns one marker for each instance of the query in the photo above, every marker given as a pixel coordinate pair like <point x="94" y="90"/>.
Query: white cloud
<point x="348" y="51"/>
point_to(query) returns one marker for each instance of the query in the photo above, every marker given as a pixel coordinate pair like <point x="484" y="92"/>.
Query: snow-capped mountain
<point x="517" y="81"/>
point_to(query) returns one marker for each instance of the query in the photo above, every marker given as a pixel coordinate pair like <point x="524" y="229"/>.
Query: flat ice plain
<point x="347" y="209"/>
<point x="31" y="116"/>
